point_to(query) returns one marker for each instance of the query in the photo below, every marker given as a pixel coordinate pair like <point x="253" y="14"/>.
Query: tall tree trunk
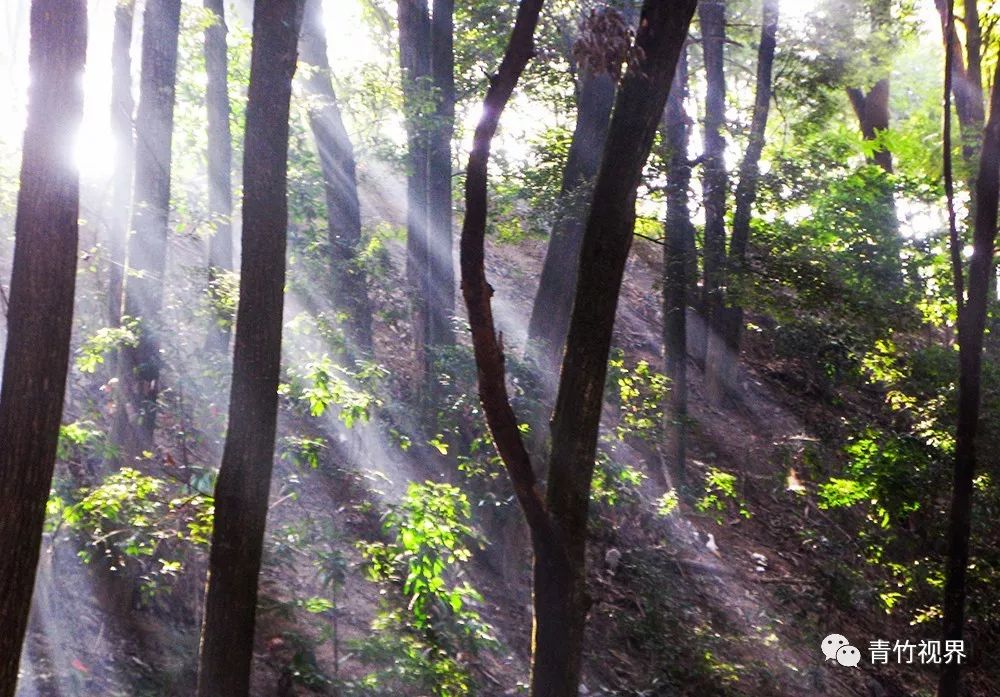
<point x="966" y="83"/>
<point x="724" y="344"/>
<point x="440" y="266"/>
<point x="415" y="62"/>
<point x="40" y="313"/>
<point x="241" y="493"/>
<point x="336" y="158"/>
<point x="679" y="234"/>
<point x="971" y="327"/>
<point x="220" y="162"/>
<point x="554" y="301"/>
<point x="121" y="130"/>
<point x="559" y="524"/>
<point x="147" y="248"/>
<point x="714" y="179"/>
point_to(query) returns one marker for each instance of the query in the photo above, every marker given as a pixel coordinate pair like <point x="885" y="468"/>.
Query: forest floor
<point x="672" y="613"/>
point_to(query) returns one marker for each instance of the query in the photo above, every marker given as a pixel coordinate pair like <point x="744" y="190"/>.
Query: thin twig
<point x="949" y="178"/>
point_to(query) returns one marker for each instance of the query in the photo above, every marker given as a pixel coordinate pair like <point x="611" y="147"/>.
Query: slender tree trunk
<point x="241" y="493"/>
<point x="679" y="234"/>
<point x="440" y="267"/>
<point x="554" y="301"/>
<point x="972" y="323"/>
<point x="147" y="248"/>
<point x="415" y="62"/>
<point x="966" y="83"/>
<point x="724" y="344"/>
<point x="639" y="106"/>
<point x="220" y="163"/>
<point x="336" y="157"/>
<point x="40" y="313"/>
<point x="121" y="130"/>
<point x="714" y="179"/>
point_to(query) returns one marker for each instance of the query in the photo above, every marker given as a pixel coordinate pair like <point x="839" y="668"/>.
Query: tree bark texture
<point x="679" y="240"/>
<point x="971" y="328"/>
<point x="561" y="601"/>
<point x="714" y="179"/>
<point x="336" y="157"/>
<point x="147" y="248"/>
<point x="724" y="344"/>
<point x="441" y="267"/>
<point x="122" y="106"/>
<point x="554" y="300"/>
<point x="966" y="83"/>
<point x="241" y="493"/>
<point x="220" y="163"/>
<point x="40" y="312"/>
<point x="872" y="110"/>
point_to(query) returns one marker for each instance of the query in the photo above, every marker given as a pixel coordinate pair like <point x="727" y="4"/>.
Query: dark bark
<point x="971" y="328"/>
<point x="147" y="248"/>
<point x="554" y="301"/>
<point x="415" y="62"/>
<point x="679" y="234"/>
<point x="714" y="179"/>
<point x="966" y="85"/>
<point x="40" y="313"/>
<point x="872" y="110"/>
<point x="440" y="267"/>
<point x="220" y="162"/>
<point x="336" y="157"/>
<point x="724" y="344"/>
<point x="241" y="493"/>
<point x="121" y="130"/>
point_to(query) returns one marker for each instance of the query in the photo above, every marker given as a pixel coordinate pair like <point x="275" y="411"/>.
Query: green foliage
<point x="320" y="384"/>
<point x="640" y="393"/>
<point x="302" y="451"/>
<point x="613" y="482"/>
<point x="92" y="352"/>
<point x="721" y="496"/>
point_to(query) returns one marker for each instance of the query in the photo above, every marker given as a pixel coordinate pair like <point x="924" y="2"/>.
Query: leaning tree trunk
<point x="554" y="300"/>
<point x="440" y="264"/>
<point x="121" y="130"/>
<point x="971" y="328"/>
<point x="241" y="492"/>
<point x="714" y="179"/>
<point x="559" y="524"/>
<point x="724" y="345"/>
<point x="220" y="163"/>
<point x="336" y="158"/>
<point x="679" y="240"/>
<point x="40" y="313"/>
<point x="147" y="248"/>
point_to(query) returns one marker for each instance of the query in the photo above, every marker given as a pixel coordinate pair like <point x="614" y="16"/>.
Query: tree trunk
<point x="679" y="234"/>
<point x="121" y="130"/>
<point x="40" y="313"/>
<point x="966" y="84"/>
<point x="336" y="157"/>
<point x="554" y="300"/>
<point x="714" y="178"/>
<point x="415" y="62"/>
<point x="220" y="162"/>
<point x="440" y="267"/>
<point x="872" y="110"/>
<point x="241" y="493"/>
<point x="147" y="248"/>
<point x="972" y="323"/>
<point x="724" y="345"/>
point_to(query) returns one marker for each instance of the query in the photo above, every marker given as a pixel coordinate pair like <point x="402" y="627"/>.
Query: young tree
<point x="40" y="313"/>
<point x="147" y="247"/>
<point x="241" y="491"/>
<point x="724" y="343"/>
<point x="220" y="163"/>
<point x="122" y="105"/>
<point x="558" y="523"/>
<point x="678" y="248"/>
<point x="336" y="158"/>
<point x="972" y="310"/>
